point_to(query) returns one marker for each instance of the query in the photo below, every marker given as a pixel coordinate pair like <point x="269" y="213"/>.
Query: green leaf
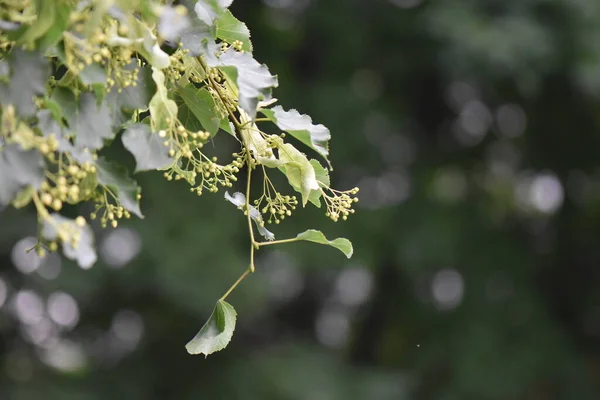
<point x="132" y="98"/>
<point x="342" y="244"/>
<point x="230" y="29"/>
<point x="115" y="177"/>
<point x="196" y="36"/>
<point x="202" y="105"/>
<point x="150" y="48"/>
<point x="28" y="79"/>
<point x="48" y="125"/>
<point x="18" y="169"/>
<point x="84" y="253"/>
<point x="90" y="122"/>
<point x="61" y="22"/>
<point x="301" y="127"/>
<point x="216" y="333"/>
<point x="208" y="10"/>
<point x="299" y="171"/>
<point x="46" y="15"/>
<point x="147" y="147"/>
<point x="93" y="74"/>
<point x="322" y="177"/>
<point x="162" y="108"/>
<point x="253" y="80"/>
<point x="137" y="97"/>
<point x="239" y="200"/>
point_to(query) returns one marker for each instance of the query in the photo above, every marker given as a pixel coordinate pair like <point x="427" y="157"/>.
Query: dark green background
<point x="471" y="128"/>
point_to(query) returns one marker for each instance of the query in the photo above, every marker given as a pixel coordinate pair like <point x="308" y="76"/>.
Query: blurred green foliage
<point x="471" y="128"/>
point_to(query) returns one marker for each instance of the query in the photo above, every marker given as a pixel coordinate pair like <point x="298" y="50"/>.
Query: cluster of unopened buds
<point x="183" y="141"/>
<point x="339" y="203"/>
<point x="278" y="207"/>
<point x="108" y="212"/>
<point x="65" y="185"/>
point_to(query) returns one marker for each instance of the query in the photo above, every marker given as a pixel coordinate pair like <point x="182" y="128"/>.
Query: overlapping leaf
<point x="162" y="108"/>
<point x="115" y="177"/>
<point x="299" y="171"/>
<point x="18" y="169"/>
<point x="147" y="147"/>
<point x="301" y="127"/>
<point x="202" y="105"/>
<point x="29" y="71"/>
<point x="208" y="11"/>
<point x="230" y="29"/>
<point x="253" y="80"/>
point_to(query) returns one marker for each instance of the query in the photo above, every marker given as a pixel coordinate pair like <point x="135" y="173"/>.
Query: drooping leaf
<point x="29" y="71"/>
<point x="253" y="80"/>
<point x="146" y="146"/>
<point x="61" y="22"/>
<point x="239" y="200"/>
<point x="84" y="252"/>
<point x="322" y="177"/>
<point x="150" y="48"/>
<point x="230" y="29"/>
<point x="162" y="108"/>
<point x="299" y="171"/>
<point x="18" y="169"/>
<point x="202" y="105"/>
<point x="301" y="127"/>
<point x="216" y="333"/>
<point x="115" y="177"/>
<point x="342" y="244"/>
<point x="46" y="15"/>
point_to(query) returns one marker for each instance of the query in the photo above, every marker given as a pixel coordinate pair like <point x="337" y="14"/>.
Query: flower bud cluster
<point x="108" y="212"/>
<point x="339" y="204"/>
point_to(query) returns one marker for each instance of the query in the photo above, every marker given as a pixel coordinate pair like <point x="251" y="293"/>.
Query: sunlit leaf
<point x="342" y="244"/>
<point x="208" y="10"/>
<point x="46" y="15"/>
<point x="146" y="146"/>
<point x="253" y="80"/>
<point x="299" y="171"/>
<point x="115" y="177"/>
<point x="216" y="333"/>
<point x="301" y="127"/>
<point x="230" y="29"/>
<point x="162" y="108"/>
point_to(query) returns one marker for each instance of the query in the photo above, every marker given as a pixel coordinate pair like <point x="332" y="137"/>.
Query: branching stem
<point x="282" y="241"/>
